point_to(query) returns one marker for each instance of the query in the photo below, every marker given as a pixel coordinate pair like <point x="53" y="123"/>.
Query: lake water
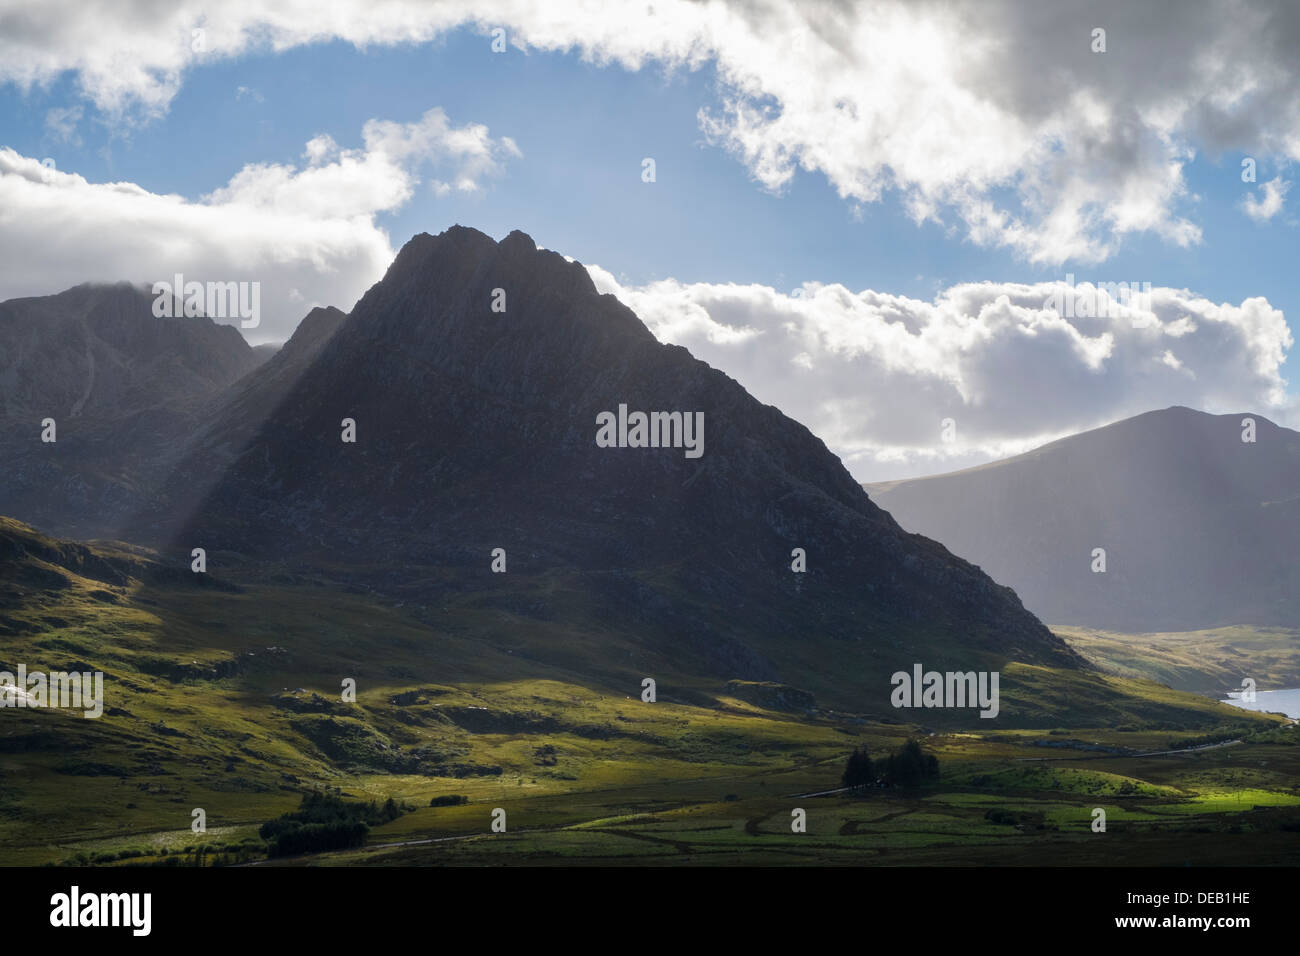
<point x="1277" y="701"/>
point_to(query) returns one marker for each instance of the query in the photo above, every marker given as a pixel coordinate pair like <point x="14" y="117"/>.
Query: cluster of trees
<point x="859" y="771"/>
<point x="324" y="821"/>
<point x="907" y="767"/>
<point x="449" y="800"/>
<point x="317" y="837"/>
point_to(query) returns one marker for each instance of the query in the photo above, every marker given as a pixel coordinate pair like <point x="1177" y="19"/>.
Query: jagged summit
<point x="452" y="262"/>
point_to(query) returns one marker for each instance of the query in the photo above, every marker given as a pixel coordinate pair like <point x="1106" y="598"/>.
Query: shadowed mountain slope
<point x="476" y="430"/>
<point x="124" y="389"/>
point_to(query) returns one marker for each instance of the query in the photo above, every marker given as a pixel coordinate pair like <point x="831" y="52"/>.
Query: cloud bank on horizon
<point x="875" y="376"/>
<point x="973" y="116"/>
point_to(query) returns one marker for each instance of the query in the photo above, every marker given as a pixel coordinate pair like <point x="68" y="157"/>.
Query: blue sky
<point x="582" y="131"/>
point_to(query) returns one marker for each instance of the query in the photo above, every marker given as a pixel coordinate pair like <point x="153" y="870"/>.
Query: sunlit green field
<point x="1212" y="661"/>
<point x="230" y="701"/>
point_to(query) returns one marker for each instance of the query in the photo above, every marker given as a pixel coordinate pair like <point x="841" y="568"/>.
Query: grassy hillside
<point x="1212" y="661"/>
<point x="225" y="695"/>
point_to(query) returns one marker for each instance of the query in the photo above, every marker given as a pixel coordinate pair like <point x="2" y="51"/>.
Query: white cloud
<point x="61" y="124"/>
<point x="994" y="118"/>
<point x="288" y="227"/>
<point x="874" y="374"/>
<point x="1262" y="210"/>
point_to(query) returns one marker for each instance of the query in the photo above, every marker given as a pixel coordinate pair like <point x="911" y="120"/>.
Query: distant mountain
<point x="476" y="429"/>
<point x="124" y="389"/>
<point x="98" y="351"/>
<point x="1200" y="528"/>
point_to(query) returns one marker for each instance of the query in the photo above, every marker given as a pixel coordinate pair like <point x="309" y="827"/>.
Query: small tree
<point x="858" y="771"/>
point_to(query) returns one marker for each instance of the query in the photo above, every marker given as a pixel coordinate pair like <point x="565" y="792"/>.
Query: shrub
<point x="449" y="800"/>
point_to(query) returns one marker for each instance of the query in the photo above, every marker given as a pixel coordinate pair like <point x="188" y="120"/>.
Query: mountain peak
<point x="518" y="239"/>
<point x="462" y="283"/>
<point x="477" y="374"/>
<point x="315" y="329"/>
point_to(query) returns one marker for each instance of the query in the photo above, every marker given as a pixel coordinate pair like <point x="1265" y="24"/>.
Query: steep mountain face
<point x="124" y="389"/>
<point x="237" y="412"/>
<point x="1200" y="528"/>
<point x="476" y="373"/>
